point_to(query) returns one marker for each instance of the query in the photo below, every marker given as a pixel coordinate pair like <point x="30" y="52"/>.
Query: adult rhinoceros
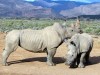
<point x="47" y="39"/>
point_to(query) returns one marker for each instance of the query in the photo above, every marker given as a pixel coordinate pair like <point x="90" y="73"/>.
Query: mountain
<point x="20" y="8"/>
<point x="90" y="9"/>
<point x="57" y="6"/>
<point x="47" y="9"/>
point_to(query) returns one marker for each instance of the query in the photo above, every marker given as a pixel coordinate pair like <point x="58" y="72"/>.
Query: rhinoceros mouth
<point x="72" y="64"/>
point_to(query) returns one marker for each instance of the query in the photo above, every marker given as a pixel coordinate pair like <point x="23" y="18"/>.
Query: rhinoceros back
<point x="32" y="40"/>
<point x="86" y="42"/>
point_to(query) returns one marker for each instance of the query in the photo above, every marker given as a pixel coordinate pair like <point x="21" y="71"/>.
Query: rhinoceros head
<point x="72" y="53"/>
<point x="73" y="29"/>
<point x="67" y="32"/>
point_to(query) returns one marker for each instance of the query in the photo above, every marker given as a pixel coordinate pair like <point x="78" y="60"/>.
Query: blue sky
<point x="89" y="1"/>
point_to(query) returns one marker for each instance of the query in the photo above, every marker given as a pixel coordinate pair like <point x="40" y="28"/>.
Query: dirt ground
<point x="23" y="62"/>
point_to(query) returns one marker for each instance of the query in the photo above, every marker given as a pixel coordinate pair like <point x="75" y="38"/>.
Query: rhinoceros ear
<point x="73" y="43"/>
<point x="64" y="23"/>
<point x="77" y="22"/>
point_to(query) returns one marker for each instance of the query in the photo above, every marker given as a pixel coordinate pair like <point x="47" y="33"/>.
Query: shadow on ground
<point x="56" y="60"/>
<point x="95" y="60"/>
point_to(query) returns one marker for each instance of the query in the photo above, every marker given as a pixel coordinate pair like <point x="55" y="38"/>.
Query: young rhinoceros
<point x="79" y="48"/>
<point x="47" y="39"/>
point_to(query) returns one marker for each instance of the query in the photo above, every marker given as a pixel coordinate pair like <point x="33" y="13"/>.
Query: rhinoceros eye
<point x="72" y="30"/>
<point x="72" y="42"/>
<point x="72" y="55"/>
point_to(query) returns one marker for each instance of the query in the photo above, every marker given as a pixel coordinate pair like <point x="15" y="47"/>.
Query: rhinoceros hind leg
<point x="87" y="61"/>
<point x="7" y="51"/>
<point x="5" y="55"/>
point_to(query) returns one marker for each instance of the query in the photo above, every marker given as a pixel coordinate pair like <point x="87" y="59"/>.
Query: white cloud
<point x="82" y="0"/>
<point x="89" y="1"/>
<point x="60" y="0"/>
<point x="30" y="0"/>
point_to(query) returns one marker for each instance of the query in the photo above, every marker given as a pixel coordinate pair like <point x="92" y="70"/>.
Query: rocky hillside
<point x="47" y="8"/>
<point x="20" y="8"/>
<point x="90" y="9"/>
<point x="57" y="6"/>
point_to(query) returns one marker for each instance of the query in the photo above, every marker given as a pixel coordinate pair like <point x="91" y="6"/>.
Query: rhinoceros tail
<point x="19" y="43"/>
<point x="3" y="49"/>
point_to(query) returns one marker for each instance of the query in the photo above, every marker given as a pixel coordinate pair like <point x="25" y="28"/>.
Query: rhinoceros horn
<point x="72" y="25"/>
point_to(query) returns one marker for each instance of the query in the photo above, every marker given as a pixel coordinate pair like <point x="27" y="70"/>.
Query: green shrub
<point x="92" y="27"/>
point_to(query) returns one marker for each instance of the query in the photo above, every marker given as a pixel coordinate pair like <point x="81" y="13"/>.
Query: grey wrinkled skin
<point x="79" y="48"/>
<point x="47" y="39"/>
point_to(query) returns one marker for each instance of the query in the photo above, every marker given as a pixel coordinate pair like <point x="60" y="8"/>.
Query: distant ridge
<point x="90" y="9"/>
<point x="47" y="9"/>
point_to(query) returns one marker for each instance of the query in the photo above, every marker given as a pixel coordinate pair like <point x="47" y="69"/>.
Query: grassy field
<point x="92" y="27"/>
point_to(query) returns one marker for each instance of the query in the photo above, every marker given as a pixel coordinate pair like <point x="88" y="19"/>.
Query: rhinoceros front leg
<point x="81" y="63"/>
<point x="50" y="55"/>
